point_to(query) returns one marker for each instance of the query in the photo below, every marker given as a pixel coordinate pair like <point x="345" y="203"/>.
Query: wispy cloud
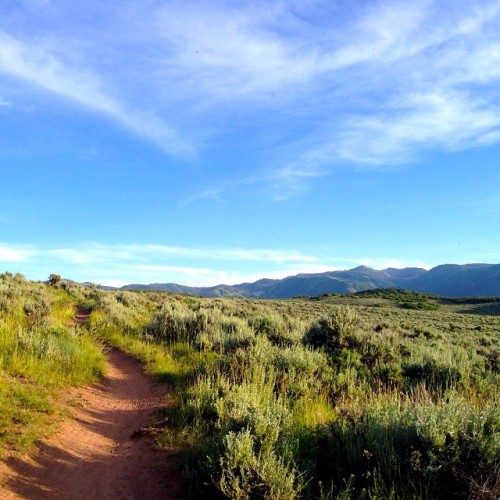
<point x="36" y="65"/>
<point x="151" y="263"/>
<point x="230" y="52"/>
<point x="448" y="120"/>
<point x="11" y="253"/>
<point x="426" y="81"/>
<point x="308" y="86"/>
<point x="206" y="194"/>
<point x="98" y="253"/>
<point x="379" y="89"/>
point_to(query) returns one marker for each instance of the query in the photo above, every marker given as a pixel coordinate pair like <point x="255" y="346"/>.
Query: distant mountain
<point x="408" y="273"/>
<point x="459" y="281"/>
<point x="448" y="280"/>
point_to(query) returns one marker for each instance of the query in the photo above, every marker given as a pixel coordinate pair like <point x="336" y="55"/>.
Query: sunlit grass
<point x="312" y="412"/>
<point x="39" y="354"/>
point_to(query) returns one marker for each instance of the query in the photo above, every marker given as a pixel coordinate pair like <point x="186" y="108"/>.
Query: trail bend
<point x="94" y="454"/>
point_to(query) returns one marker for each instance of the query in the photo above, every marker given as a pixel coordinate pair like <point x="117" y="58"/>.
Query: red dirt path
<point x="94" y="455"/>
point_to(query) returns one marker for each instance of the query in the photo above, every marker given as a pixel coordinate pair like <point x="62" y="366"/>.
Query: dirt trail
<point x="94" y="455"/>
<point x="81" y="315"/>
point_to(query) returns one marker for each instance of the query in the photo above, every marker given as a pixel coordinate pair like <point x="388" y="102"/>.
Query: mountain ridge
<point x="450" y="280"/>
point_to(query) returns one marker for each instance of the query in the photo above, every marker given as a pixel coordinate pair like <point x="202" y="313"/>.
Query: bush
<point x="172" y="325"/>
<point x="413" y="450"/>
<point x="437" y="377"/>
<point x="280" y="330"/>
<point x="54" y="279"/>
<point x="249" y="471"/>
<point x="334" y="331"/>
<point x="36" y="311"/>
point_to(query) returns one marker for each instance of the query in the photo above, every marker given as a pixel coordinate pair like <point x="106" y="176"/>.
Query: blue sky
<point x="205" y="142"/>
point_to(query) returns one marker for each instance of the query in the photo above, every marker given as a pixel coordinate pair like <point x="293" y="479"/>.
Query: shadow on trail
<point x="33" y="479"/>
<point x="94" y="455"/>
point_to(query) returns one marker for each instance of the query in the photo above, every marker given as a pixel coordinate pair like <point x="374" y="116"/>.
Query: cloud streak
<point x="98" y="253"/>
<point x="345" y="86"/>
<point x="39" y="67"/>
<point x="382" y="88"/>
<point x="10" y="254"/>
<point x="148" y="263"/>
<point x="426" y="81"/>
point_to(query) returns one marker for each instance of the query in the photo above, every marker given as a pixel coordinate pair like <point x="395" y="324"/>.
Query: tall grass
<point x="40" y="351"/>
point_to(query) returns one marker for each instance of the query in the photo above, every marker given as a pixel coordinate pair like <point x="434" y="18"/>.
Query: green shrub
<point x="172" y="325"/>
<point x="247" y="470"/>
<point x="436" y="376"/>
<point x="333" y="331"/>
<point x="280" y="330"/>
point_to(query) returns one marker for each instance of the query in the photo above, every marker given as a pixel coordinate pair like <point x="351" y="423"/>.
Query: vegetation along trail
<point x="98" y="453"/>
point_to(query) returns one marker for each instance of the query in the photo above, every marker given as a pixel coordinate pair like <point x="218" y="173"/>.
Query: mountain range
<point x="448" y="280"/>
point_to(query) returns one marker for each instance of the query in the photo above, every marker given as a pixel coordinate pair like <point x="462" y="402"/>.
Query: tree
<point x="54" y="279"/>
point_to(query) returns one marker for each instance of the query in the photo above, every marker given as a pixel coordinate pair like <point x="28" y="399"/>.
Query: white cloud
<point x="16" y="254"/>
<point x="379" y="88"/>
<point x="450" y="121"/>
<point x="98" y="253"/>
<point x="228" y="53"/>
<point x="416" y="81"/>
<point x="147" y="263"/>
<point x="38" y="66"/>
<point x="155" y="271"/>
<point x="206" y="194"/>
<point x="359" y="85"/>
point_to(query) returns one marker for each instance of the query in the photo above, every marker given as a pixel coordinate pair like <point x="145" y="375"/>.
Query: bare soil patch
<point x="98" y="454"/>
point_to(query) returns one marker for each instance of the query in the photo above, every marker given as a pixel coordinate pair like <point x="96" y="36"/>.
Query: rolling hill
<point x="448" y="280"/>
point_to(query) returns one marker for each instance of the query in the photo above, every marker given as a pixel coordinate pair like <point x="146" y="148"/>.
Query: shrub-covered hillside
<point x="343" y="397"/>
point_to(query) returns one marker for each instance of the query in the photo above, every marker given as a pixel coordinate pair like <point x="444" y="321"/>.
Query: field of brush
<point x="383" y="394"/>
<point x="41" y="351"/>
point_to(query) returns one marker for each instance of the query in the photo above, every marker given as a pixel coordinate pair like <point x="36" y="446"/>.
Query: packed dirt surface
<point x="81" y="315"/>
<point x="99" y="453"/>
